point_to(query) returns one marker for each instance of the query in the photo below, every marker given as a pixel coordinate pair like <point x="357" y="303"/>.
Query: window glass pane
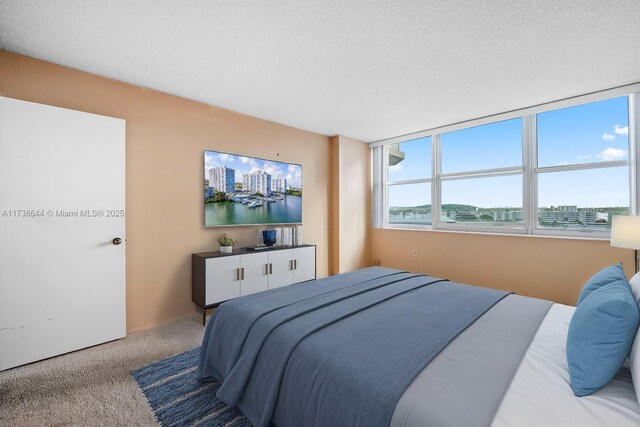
<point x="582" y="199"/>
<point x="410" y="160"/>
<point x="492" y="146"/>
<point x="410" y="203"/>
<point x="477" y="200"/>
<point x="587" y="133"/>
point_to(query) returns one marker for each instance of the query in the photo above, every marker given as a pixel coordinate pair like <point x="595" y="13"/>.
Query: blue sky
<point x="587" y="133"/>
<point x="243" y="164"/>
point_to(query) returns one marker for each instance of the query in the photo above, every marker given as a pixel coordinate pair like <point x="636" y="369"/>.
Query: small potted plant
<point x="226" y="244"/>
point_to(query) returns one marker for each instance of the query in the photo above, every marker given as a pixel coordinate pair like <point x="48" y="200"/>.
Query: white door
<point x="62" y="200"/>
<point x="222" y="280"/>
<point x="304" y="264"/>
<point x="281" y="268"/>
<point x="254" y="273"/>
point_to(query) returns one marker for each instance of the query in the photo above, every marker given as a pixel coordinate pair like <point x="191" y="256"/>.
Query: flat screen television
<point x="242" y="190"/>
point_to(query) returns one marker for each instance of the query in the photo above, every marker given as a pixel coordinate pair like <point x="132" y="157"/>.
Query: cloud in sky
<point x="273" y="169"/>
<point x="563" y="163"/>
<point x="621" y="130"/>
<point x="608" y="137"/>
<point x="294" y="176"/>
<point x="225" y="157"/>
<point x="611" y="153"/>
<point x="584" y="156"/>
<point x="209" y="162"/>
<point x="249" y="161"/>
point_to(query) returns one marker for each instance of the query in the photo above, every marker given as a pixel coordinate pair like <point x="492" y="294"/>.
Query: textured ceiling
<point x="364" y="69"/>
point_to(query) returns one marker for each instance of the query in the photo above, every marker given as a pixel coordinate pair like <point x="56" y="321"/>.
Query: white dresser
<point x="218" y="277"/>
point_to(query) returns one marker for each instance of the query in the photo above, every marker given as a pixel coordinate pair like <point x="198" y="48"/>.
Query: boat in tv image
<point x="242" y="190"/>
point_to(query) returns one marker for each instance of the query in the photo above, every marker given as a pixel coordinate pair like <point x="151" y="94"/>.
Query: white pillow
<point x="635" y="286"/>
<point x="634" y="356"/>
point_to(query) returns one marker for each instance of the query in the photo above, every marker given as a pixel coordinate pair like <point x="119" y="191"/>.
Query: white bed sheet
<point x="540" y="393"/>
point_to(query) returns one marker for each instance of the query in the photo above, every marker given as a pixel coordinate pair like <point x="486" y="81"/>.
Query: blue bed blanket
<point x="337" y="351"/>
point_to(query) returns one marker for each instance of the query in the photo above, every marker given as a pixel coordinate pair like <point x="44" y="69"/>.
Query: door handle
<point x="270" y="268"/>
<point x="237" y="274"/>
<point x="295" y="264"/>
<point x="242" y="270"/>
<point x="116" y="241"/>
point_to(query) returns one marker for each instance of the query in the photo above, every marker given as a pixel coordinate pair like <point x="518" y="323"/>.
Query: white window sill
<point x="507" y="233"/>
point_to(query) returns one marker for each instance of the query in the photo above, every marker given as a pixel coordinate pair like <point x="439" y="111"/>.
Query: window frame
<point x="529" y="170"/>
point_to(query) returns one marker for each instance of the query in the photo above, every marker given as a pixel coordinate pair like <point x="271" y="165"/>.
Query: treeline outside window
<point x="563" y="171"/>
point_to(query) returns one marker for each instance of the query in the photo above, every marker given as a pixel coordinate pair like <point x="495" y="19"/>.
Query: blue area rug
<point x="178" y="399"/>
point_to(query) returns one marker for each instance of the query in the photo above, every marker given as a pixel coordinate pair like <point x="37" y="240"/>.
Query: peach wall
<point x="334" y="259"/>
<point x="351" y="204"/>
<point x="166" y="136"/>
<point x="542" y="267"/>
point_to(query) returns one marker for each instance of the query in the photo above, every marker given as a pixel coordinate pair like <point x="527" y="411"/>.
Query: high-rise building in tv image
<point x="257" y="182"/>
<point x="279" y="185"/>
<point x="222" y="179"/>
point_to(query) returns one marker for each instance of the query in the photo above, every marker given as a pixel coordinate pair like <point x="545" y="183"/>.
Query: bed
<point x="384" y="347"/>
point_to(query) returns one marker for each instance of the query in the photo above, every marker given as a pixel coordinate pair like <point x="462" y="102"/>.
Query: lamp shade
<point x="625" y="232"/>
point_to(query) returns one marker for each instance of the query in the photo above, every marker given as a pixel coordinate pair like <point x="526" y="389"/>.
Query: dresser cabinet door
<point x="281" y="268"/>
<point x="222" y="279"/>
<point x="304" y="262"/>
<point x="254" y="269"/>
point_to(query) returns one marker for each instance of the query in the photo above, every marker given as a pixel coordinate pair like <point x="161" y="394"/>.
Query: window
<point x="583" y="199"/>
<point x="583" y="171"/>
<point x="563" y="171"/>
<point x="482" y="175"/>
<point x="410" y="203"/>
<point x="491" y="199"/>
<point x="492" y="146"/>
<point x="409" y="182"/>
<point x="594" y="132"/>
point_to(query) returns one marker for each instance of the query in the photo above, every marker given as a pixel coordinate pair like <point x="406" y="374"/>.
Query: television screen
<point x="241" y="190"/>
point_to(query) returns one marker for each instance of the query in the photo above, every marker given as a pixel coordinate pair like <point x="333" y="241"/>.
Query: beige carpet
<point x="92" y="387"/>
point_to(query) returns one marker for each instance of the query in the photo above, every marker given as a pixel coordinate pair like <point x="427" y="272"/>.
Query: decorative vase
<point x="226" y="249"/>
<point x="269" y="237"/>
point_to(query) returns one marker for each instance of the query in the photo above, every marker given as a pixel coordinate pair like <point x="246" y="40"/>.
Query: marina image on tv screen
<point x="241" y="190"/>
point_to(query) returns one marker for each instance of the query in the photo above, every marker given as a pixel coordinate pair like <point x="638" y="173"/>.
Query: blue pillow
<point x="600" y="336"/>
<point x="601" y="278"/>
